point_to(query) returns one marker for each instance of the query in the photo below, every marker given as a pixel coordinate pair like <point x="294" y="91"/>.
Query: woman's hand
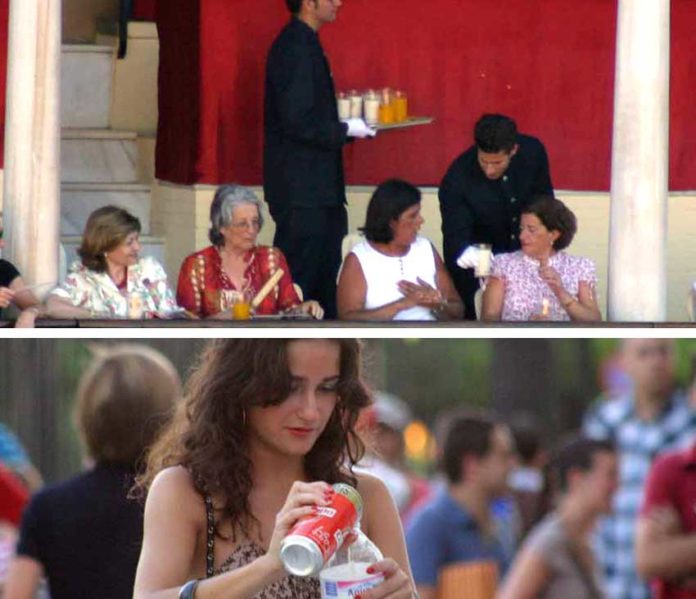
<point x="420" y="294"/>
<point x="27" y="318"/>
<point x="551" y="277"/>
<point x="396" y="585"/>
<point x="311" y="307"/>
<point x="301" y="502"/>
<point x="6" y="297"/>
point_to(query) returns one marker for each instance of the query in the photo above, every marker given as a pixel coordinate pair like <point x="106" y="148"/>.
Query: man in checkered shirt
<point x="653" y="418"/>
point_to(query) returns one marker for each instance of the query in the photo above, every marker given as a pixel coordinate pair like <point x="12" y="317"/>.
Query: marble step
<point x="85" y="86"/>
<point x="151" y="246"/>
<point x="98" y="156"/>
<point x="78" y="200"/>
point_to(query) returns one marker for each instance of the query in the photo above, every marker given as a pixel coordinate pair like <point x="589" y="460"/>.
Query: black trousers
<point x="311" y="240"/>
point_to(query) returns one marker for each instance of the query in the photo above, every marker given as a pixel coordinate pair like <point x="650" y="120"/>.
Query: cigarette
<point x="545" y="307"/>
<point x="266" y="289"/>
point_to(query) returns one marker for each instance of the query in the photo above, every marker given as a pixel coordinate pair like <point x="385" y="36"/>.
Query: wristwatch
<point x="188" y="591"/>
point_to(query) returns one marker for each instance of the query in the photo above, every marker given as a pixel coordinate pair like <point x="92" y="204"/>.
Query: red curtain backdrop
<point x="548" y="64"/>
<point x="4" y="24"/>
<point x="144" y="10"/>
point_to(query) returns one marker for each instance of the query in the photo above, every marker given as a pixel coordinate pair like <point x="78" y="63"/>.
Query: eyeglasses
<point x="254" y="225"/>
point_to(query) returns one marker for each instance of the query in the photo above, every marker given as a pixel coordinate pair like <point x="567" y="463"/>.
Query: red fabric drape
<point x="4" y="24"/>
<point x="144" y="10"/>
<point x="548" y="64"/>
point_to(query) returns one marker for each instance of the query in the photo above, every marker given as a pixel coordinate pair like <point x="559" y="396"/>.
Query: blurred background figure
<point x="666" y="531"/>
<point x="557" y="561"/>
<point x="457" y="527"/>
<point x="13" y="498"/>
<point x="526" y="481"/>
<point x="15" y="457"/>
<point x="653" y="418"/>
<point x="387" y="420"/>
<point x="84" y="535"/>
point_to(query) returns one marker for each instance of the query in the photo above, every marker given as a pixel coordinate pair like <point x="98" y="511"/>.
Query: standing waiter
<point x="483" y="193"/>
<point x="303" y="166"/>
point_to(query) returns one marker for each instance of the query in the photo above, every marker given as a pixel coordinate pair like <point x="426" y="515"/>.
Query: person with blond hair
<point x="83" y="535"/>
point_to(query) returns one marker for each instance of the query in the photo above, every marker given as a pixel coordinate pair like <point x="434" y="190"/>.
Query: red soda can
<point x="313" y="540"/>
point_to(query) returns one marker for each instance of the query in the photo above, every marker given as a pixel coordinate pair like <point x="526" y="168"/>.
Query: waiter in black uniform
<point x="483" y="193"/>
<point x="303" y="165"/>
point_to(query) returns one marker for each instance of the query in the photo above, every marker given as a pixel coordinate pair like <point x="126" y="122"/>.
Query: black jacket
<point x="475" y="209"/>
<point x="303" y="164"/>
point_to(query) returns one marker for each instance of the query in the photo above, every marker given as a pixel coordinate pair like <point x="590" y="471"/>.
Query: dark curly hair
<point x="495" y="133"/>
<point x="555" y="216"/>
<point x="389" y="201"/>
<point x="208" y="435"/>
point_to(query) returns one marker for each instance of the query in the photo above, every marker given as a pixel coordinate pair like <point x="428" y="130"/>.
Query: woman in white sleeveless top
<point x="394" y="274"/>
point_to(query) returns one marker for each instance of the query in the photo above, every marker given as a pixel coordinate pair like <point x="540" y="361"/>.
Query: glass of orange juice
<point x="241" y="306"/>
<point x="400" y="106"/>
<point x="386" y="107"/>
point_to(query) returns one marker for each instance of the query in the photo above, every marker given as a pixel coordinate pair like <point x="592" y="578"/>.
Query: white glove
<point x="358" y="128"/>
<point x="469" y="258"/>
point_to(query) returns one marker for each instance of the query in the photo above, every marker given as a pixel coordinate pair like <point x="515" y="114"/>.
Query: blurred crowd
<point x="513" y="511"/>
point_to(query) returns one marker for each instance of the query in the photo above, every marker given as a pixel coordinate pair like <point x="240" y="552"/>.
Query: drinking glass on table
<point x="241" y="306"/>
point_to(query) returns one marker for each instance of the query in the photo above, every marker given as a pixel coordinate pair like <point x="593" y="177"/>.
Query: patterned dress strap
<point x="210" y="538"/>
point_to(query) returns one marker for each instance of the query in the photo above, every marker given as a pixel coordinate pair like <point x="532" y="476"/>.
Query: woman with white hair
<point x="234" y="266"/>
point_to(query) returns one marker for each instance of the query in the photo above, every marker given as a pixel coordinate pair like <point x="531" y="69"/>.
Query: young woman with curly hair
<point x="266" y="428"/>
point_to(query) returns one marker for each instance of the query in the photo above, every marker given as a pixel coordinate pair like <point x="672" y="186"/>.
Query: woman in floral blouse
<point x="112" y="280"/>
<point x="211" y="280"/>
<point x="540" y="281"/>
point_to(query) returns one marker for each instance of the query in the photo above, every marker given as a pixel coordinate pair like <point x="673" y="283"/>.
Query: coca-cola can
<point x="313" y="540"/>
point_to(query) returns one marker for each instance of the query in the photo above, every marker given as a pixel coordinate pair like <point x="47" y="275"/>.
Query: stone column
<point x="640" y="161"/>
<point x="32" y="140"/>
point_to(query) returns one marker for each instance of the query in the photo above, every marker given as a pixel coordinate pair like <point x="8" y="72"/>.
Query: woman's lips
<point x="300" y="432"/>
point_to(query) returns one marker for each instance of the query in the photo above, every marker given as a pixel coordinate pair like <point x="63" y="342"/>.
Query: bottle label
<point x="348" y="580"/>
<point x="328" y="528"/>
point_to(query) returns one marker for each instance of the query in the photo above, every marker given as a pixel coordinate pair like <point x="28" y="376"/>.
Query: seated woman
<point x="395" y="274"/>
<point x="540" y="281"/>
<point x="13" y="291"/>
<point x="112" y="280"/>
<point x="557" y="560"/>
<point x="213" y="279"/>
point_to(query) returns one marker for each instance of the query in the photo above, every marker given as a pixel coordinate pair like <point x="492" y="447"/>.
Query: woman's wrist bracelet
<point x="568" y="302"/>
<point x="188" y="591"/>
<point x="440" y="308"/>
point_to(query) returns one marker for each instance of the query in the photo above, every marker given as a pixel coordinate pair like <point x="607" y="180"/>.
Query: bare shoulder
<point x="373" y="491"/>
<point x="172" y="489"/>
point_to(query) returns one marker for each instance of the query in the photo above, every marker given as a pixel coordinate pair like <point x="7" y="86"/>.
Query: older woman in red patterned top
<point x="212" y="280"/>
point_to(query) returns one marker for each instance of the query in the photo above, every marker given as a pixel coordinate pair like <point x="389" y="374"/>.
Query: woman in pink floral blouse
<point x="540" y="281"/>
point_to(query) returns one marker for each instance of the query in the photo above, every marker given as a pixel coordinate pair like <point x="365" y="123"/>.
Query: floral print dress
<point x="525" y="291"/>
<point x="97" y="292"/>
